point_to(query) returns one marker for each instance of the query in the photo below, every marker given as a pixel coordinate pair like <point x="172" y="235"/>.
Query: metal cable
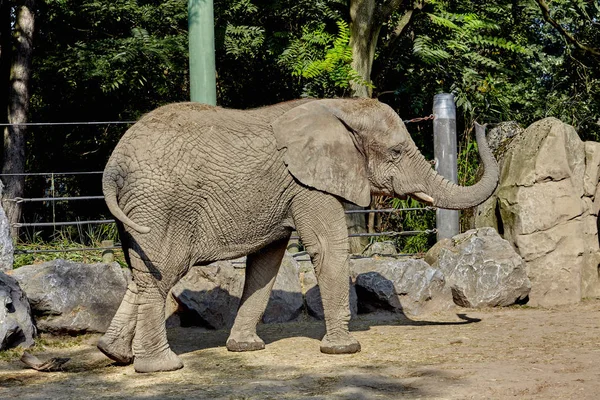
<point x="34" y="251"/>
<point x="70" y="123"/>
<point x="53" y="173"/>
<point x="410" y="121"/>
<point x="403" y="233"/>
<point x="96" y="222"/>
<point x="390" y="210"/>
<point x="27" y="200"/>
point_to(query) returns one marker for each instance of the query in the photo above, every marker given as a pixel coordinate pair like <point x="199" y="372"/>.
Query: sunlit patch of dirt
<point x="515" y="352"/>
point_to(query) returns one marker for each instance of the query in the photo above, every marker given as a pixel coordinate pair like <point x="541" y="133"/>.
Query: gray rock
<point x="502" y="134"/>
<point x="209" y="296"/>
<point x="6" y="243"/>
<point x="386" y="248"/>
<point x="16" y="324"/>
<point x="482" y="269"/>
<point x="410" y="286"/>
<point x="546" y="206"/>
<point x="286" y="302"/>
<point x="70" y="297"/>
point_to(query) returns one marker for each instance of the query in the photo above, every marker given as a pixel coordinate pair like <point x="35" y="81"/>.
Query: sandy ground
<point x="522" y="353"/>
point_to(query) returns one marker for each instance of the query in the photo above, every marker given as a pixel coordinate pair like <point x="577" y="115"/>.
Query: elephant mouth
<point x="417" y="195"/>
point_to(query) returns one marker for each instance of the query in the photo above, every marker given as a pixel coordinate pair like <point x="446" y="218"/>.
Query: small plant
<point x="413" y="220"/>
<point x="69" y="238"/>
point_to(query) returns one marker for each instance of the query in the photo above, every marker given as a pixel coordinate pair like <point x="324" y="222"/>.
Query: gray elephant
<point x="192" y="184"/>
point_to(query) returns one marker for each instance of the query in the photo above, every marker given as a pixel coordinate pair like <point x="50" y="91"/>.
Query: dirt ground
<point x="521" y="352"/>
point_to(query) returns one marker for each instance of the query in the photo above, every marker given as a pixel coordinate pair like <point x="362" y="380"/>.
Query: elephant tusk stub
<point x="423" y="197"/>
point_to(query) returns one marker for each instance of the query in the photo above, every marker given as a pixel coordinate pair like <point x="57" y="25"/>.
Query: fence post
<point x="294" y="244"/>
<point x="201" y="31"/>
<point x="108" y="255"/>
<point x="445" y="151"/>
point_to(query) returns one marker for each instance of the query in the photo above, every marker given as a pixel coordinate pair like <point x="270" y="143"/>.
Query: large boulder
<point x="385" y="248"/>
<point x="70" y="297"/>
<point x="546" y="206"/>
<point x="209" y="296"/>
<point x="286" y="302"/>
<point x="410" y="286"/>
<point x="16" y="324"/>
<point x="481" y="269"/>
<point x="500" y="137"/>
<point x="6" y="243"/>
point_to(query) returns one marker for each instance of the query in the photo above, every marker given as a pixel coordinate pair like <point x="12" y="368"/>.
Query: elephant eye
<point x="396" y="151"/>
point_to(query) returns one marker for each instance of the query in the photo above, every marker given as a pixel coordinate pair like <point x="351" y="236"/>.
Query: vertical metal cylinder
<point x="201" y="31"/>
<point x="445" y="151"/>
<point x="108" y="255"/>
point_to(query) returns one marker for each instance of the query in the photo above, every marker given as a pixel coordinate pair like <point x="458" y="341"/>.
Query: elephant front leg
<point x="116" y="342"/>
<point x="261" y="271"/>
<point x="321" y="224"/>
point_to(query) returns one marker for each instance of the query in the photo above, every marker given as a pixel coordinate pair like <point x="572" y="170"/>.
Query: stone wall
<point x="546" y="206"/>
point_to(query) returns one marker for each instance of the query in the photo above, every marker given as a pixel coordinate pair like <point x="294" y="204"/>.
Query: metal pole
<point x="445" y="149"/>
<point x="201" y="31"/>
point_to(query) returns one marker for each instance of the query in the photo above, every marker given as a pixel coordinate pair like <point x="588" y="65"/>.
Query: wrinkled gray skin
<point x="192" y="184"/>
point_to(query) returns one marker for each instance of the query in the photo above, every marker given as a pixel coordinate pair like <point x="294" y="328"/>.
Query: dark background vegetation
<point x="114" y="60"/>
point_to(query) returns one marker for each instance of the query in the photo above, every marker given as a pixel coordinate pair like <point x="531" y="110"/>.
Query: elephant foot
<point x="339" y="344"/>
<point x="245" y="342"/>
<point x="117" y="349"/>
<point x="165" y="362"/>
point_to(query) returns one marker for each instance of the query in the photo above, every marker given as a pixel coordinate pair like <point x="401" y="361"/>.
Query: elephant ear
<point x="320" y="152"/>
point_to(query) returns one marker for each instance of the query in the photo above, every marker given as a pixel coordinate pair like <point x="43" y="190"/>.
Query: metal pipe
<point x="95" y="222"/>
<point x="201" y="31"/>
<point x="445" y="151"/>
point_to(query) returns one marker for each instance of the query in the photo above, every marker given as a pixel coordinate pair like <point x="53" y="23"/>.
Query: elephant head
<point x="353" y="148"/>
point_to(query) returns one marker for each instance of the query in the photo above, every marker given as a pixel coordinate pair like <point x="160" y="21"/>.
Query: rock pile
<point x="481" y="269"/>
<point x="16" y="324"/>
<point x="69" y="297"/>
<point x="6" y="243"/>
<point x="546" y="206"/>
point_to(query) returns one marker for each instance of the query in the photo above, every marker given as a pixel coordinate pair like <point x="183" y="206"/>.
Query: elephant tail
<point x="109" y="187"/>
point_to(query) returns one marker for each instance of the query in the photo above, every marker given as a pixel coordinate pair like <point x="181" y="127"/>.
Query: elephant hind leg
<point x="116" y="342"/>
<point x="150" y="346"/>
<point x="261" y="271"/>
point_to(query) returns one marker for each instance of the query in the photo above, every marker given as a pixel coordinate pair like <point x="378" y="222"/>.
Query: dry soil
<point x="521" y="352"/>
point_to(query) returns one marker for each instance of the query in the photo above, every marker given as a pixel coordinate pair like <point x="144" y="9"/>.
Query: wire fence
<point x="53" y="199"/>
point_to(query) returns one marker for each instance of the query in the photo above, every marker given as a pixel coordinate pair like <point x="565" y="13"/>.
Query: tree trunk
<point x="18" y="107"/>
<point x="367" y="17"/>
<point x="364" y="31"/>
<point x="363" y="41"/>
<point x="5" y="60"/>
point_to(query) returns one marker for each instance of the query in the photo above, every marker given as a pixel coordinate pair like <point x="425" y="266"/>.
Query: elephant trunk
<point x="448" y="195"/>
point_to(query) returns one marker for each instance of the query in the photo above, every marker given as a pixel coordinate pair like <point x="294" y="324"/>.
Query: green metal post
<point x="201" y="25"/>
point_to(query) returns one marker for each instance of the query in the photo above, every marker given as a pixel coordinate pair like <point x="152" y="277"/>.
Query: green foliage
<point x="116" y="60"/>
<point x="470" y="56"/>
<point x="70" y="237"/>
<point x="323" y="59"/>
<point x="418" y="220"/>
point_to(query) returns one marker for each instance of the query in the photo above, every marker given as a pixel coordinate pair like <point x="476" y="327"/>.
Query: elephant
<point x="191" y="184"/>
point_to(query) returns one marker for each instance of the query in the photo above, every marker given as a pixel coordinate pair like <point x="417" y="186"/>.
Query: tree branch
<point x="385" y="10"/>
<point x="570" y="38"/>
